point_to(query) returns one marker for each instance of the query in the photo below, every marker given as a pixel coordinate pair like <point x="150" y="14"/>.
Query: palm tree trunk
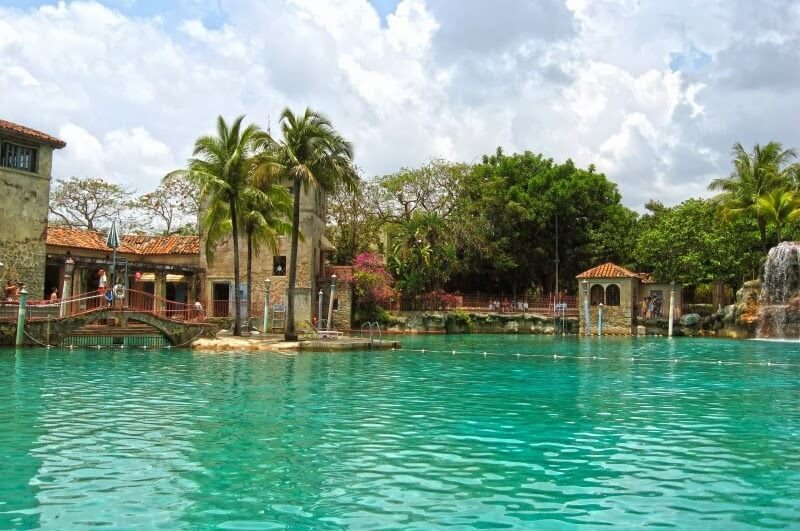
<point x="762" y="232"/>
<point x="237" y="317"/>
<point x="250" y="276"/>
<point x="290" y="334"/>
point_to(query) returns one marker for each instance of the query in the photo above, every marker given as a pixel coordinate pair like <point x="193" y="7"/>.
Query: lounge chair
<point x="322" y="333"/>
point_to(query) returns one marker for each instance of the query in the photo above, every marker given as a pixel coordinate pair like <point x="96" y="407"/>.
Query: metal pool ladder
<point x="372" y="328"/>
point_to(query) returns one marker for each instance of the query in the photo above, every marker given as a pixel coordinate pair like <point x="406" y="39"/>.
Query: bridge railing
<point x="146" y="302"/>
<point x="39" y="310"/>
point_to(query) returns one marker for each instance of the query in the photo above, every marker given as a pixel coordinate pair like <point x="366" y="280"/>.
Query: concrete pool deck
<point x="276" y="343"/>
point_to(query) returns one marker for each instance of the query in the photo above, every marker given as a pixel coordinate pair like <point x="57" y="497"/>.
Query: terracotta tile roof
<point x="608" y="270"/>
<point x="31" y="134"/>
<point x="81" y="239"/>
<point x="134" y="244"/>
<point x="163" y="244"/>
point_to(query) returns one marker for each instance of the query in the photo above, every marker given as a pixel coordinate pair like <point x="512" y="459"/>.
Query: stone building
<point x="26" y="157"/>
<point x="165" y="267"/>
<point x="621" y="295"/>
<point x="312" y="272"/>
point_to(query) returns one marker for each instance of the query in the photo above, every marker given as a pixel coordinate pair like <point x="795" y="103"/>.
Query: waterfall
<point x="779" y="304"/>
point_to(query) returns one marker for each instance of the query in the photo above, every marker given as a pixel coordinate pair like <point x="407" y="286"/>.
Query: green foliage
<point x="514" y="208"/>
<point x="423" y="254"/>
<point x="688" y="244"/>
<point x="372" y="287"/>
<point x="755" y="175"/>
<point x="220" y="168"/>
<point x="462" y="318"/>
<point x="778" y="208"/>
<point x="310" y="152"/>
<point x="353" y="224"/>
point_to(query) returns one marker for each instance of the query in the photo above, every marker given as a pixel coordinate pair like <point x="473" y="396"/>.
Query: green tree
<point x="779" y="208"/>
<point x="353" y="221"/>
<point x="687" y="244"/>
<point x="309" y="152"/>
<point x="220" y="168"/>
<point x="423" y="254"/>
<point x="262" y="214"/>
<point x="754" y="174"/>
<point x="524" y="210"/>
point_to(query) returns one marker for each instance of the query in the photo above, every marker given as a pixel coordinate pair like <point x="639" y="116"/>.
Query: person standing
<point x="11" y="291"/>
<point x="54" y="296"/>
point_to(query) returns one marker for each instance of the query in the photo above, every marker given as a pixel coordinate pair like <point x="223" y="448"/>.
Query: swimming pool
<point x="476" y="431"/>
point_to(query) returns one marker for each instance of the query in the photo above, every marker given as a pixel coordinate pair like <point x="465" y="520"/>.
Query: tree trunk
<point x="237" y="300"/>
<point x="250" y="277"/>
<point x="290" y="334"/>
<point x="762" y="232"/>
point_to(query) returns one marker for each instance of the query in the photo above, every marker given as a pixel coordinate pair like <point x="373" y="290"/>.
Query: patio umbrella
<point x="113" y="241"/>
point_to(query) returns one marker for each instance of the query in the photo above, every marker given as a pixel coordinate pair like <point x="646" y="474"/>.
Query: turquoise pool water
<point x="692" y="433"/>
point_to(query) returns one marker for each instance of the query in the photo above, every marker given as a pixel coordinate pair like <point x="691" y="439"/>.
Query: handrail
<point x="369" y="326"/>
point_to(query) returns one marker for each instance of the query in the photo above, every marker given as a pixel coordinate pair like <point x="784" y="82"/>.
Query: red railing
<point x="133" y="300"/>
<point x="142" y="301"/>
<point x="47" y="309"/>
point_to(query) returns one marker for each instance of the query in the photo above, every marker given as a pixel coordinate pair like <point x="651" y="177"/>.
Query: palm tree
<point x="754" y="175"/>
<point x="779" y="207"/>
<point x="262" y="216"/>
<point x="219" y="167"/>
<point x="309" y="152"/>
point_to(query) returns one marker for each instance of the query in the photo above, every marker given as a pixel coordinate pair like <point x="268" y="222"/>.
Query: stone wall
<point x="617" y="320"/>
<point x="24" y="198"/>
<point x="480" y="323"/>
<point x="309" y="267"/>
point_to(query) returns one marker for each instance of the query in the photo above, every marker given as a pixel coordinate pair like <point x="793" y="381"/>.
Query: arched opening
<point x="612" y="295"/>
<point x="596" y="295"/>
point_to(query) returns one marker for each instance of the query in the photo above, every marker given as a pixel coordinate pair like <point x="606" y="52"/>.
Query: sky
<point x="653" y="93"/>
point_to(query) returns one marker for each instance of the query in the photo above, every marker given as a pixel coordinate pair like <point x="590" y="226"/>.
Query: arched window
<point x="596" y="295"/>
<point x="612" y="295"/>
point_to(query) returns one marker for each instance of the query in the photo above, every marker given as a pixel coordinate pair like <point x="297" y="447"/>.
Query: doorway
<point x="220" y="304"/>
<point x="52" y="279"/>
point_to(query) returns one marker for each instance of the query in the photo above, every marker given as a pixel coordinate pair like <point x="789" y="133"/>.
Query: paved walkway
<point x="276" y="343"/>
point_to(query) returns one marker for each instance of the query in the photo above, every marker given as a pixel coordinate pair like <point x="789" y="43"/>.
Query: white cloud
<point x="593" y="81"/>
<point x="129" y="156"/>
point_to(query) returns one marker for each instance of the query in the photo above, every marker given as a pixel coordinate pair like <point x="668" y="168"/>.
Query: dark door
<point x="220" y="306"/>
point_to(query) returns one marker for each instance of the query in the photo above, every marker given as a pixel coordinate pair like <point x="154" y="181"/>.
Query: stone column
<point x="160" y="292"/>
<point x="80" y="286"/>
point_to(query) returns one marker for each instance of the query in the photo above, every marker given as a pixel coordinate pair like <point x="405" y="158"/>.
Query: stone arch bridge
<point x="54" y="330"/>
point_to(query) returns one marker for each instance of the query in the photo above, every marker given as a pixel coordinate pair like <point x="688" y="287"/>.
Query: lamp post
<point x="586" y="323"/>
<point x="267" y="283"/>
<point x="671" y="307"/>
<point x="320" y="295"/>
<point x="66" y="289"/>
<point x="330" y="304"/>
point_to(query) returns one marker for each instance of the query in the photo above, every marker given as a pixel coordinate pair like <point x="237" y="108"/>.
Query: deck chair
<point x="322" y="333"/>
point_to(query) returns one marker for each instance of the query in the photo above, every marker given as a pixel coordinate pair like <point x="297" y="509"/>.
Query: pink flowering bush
<point x="372" y="284"/>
